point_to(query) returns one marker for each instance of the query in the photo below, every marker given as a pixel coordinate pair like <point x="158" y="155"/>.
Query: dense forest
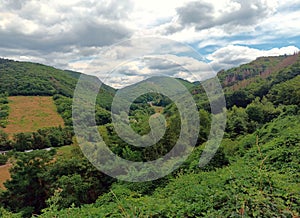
<point x="254" y="173"/>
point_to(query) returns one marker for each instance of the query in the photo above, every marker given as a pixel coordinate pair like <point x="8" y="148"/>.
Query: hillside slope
<point x="262" y="67"/>
<point x="29" y="114"/>
<point x="254" y="173"/>
<point x="26" y="78"/>
<point x="242" y="84"/>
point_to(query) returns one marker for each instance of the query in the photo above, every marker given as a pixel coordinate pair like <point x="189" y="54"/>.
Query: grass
<point x="4" y="174"/>
<point x="30" y="113"/>
<point x="65" y="151"/>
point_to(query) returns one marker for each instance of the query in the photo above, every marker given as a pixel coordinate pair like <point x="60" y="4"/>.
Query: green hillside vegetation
<point x="261" y="181"/>
<point x="26" y="78"/>
<point x="262" y="67"/>
<point x="251" y="80"/>
<point x="255" y="172"/>
<point x="4" y="109"/>
<point x="30" y="79"/>
<point x="33" y="79"/>
<point x="22" y="78"/>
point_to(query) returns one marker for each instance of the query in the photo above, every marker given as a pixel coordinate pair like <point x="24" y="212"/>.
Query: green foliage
<point x="23" y="78"/>
<point x="3" y="159"/>
<point x="205" y="123"/>
<point x="26" y="192"/>
<point x="76" y="179"/>
<point x="4" y="109"/>
<point x="262" y="111"/>
<point x="262" y="183"/>
<point x="64" y="108"/>
<point x="286" y="93"/>
<point x="254" y="173"/>
<point x="237" y="122"/>
<point x="5" y="143"/>
<point x="139" y="117"/>
<point x="38" y="180"/>
<point x="6" y="214"/>
<point x="102" y="116"/>
<point x="43" y="138"/>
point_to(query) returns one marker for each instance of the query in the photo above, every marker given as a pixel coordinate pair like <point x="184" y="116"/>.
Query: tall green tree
<point x="26" y="191"/>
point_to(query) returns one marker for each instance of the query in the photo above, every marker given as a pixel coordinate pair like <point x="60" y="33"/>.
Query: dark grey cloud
<point x="249" y="13"/>
<point x="196" y="13"/>
<point x="93" y="33"/>
<point x="61" y="29"/>
<point x="200" y="15"/>
<point x="151" y="66"/>
<point x="160" y="64"/>
<point x="129" y="72"/>
<point x="88" y="33"/>
<point x="13" y="4"/>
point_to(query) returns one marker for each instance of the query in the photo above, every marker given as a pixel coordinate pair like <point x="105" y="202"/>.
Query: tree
<point x="286" y="93"/>
<point x="255" y="111"/>
<point x="237" y="121"/>
<point x="205" y="123"/>
<point x="5" y="143"/>
<point x="239" y="98"/>
<point x="22" y="141"/>
<point x="40" y="141"/>
<point x="3" y="159"/>
<point x="26" y="191"/>
<point x="76" y="179"/>
<point x="262" y="111"/>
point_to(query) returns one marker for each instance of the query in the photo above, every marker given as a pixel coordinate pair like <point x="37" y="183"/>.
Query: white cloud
<point x="78" y="34"/>
<point x="234" y="55"/>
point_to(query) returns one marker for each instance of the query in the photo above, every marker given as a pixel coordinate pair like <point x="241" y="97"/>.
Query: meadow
<point x="30" y="113"/>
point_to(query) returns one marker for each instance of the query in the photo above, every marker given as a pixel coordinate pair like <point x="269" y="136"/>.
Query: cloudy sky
<point x="126" y="41"/>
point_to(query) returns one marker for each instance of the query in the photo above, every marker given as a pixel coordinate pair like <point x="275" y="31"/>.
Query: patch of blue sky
<point x="275" y="43"/>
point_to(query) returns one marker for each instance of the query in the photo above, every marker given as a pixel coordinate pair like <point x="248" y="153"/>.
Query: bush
<point x="3" y="159"/>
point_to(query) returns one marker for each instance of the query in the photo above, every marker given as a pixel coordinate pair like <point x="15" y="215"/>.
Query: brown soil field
<point x="4" y="174"/>
<point x="30" y="113"/>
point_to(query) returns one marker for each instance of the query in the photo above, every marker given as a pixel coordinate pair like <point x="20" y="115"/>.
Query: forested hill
<point x="261" y="68"/>
<point x="254" y="173"/>
<point x="242" y="84"/>
<point x="25" y="78"/>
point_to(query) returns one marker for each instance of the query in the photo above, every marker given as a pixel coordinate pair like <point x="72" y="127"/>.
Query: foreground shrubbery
<point x="43" y="138"/>
<point x="255" y="172"/>
<point x="264" y="182"/>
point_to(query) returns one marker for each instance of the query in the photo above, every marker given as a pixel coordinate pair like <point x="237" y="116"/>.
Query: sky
<point x="123" y="42"/>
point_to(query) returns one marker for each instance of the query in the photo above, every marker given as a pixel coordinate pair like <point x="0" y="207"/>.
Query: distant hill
<point x="244" y="83"/>
<point x="254" y="173"/>
<point x="262" y="67"/>
<point x="29" y="79"/>
<point x="25" y="78"/>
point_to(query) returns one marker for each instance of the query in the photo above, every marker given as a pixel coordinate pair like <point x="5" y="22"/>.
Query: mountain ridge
<point x="64" y="81"/>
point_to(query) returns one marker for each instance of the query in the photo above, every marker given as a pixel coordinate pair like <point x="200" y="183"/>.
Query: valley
<point x="254" y="173"/>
